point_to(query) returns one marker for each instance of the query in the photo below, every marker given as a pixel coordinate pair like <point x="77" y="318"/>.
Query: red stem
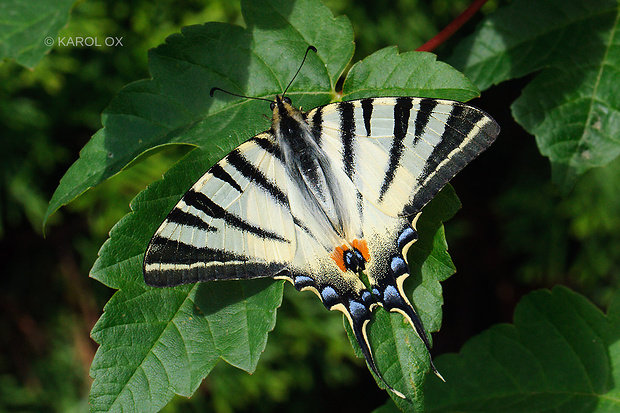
<point x="450" y="29"/>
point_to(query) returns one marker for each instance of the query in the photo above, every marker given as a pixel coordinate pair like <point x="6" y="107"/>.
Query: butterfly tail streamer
<point x="399" y="304"/>
<point x="357" y="307"/>
<point x="359" y="316"/>
<point x="394" y="298"/>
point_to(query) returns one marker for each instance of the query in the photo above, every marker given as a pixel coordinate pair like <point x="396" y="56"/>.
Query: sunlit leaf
<point x="388" y="73"/>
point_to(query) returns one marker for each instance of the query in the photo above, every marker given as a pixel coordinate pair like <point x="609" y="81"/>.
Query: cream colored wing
<point x="234" y="223"/>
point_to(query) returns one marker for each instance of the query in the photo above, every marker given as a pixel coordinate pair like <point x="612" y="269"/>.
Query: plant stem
<point x="454" y="25"/>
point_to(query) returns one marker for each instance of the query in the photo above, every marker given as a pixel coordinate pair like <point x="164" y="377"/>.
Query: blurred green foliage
<point x="49" y="305"/>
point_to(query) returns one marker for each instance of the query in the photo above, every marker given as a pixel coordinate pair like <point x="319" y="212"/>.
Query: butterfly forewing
<point x="234" y="223"/>
<point x="404" y="149"/>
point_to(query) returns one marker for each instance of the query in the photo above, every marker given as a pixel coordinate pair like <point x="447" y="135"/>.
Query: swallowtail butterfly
<point x="321" y="196"/>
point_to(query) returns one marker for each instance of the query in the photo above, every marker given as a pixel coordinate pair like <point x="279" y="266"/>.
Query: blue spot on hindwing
<point x="398" y="266"/>
<point x="302" y="281"/>
<point x="329" y="296"/>
<point x="358" y="310"/>
<point x="406" y="236"/>
<point x="391" y="295"/>
<point x="368" y="299"/>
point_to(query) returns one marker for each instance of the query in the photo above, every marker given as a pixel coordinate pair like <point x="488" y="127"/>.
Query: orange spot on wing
<point x="337" y="256"/>
<point x="362" y="247"/>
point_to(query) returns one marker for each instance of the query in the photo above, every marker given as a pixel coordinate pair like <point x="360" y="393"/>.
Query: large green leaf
<point x="572" y="104"/>
<point x="158" y="342"/>
<point x="29" y="29"/>
<point x="561" y="354"/>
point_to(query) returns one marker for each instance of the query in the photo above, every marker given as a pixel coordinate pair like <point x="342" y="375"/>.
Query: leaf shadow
<point x="215" y="296"/>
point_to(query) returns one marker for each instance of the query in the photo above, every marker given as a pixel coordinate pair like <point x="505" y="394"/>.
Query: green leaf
<point x="29" y="29"/>
<point x="158" y="342"/>
<point x="170" y="339"/>
<point x="561" y="354"/>
<point x="388" y="73"/>
<point x="571" y="105"/>
<point x="162" y="342"/>
<point x="281" y="29"/>
<point x="398" y="350"/>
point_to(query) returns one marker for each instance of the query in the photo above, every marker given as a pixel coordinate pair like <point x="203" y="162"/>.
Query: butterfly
<point x="321" y="197"/>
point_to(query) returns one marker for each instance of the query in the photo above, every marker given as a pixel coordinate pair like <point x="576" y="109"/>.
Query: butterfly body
<point x="320" y="197"/>
<point x="323" y="193"/>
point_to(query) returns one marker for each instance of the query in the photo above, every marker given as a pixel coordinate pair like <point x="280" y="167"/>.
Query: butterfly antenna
<point x="300" y="66"/>
<point x="236" y="94"/>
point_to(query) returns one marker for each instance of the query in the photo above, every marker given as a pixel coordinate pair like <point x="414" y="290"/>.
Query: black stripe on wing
<point x="203" y="203"/>
<point x="168" y="263"/>
<point x="224" y="176"/>
<point x="427" y="106"/>
<point x="269" y="146"/>
<point x="460" y="123"/>
<point x="256" y="176"/>
<point x="163" y="250"/>
<point x="367" y="107"/>
<point x="180" y="217"/>
<point x="347" y="138"/>
<point x="302" y="226"/>
<point x="347" y="134"/>
<point x="402" y="110"/>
